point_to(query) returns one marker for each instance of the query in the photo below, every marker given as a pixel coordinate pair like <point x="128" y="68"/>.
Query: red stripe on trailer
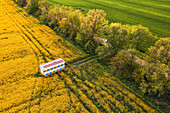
<point x="54" y="63"/>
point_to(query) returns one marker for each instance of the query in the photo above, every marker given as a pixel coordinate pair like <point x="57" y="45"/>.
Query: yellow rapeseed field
<point x="25" y="44"/>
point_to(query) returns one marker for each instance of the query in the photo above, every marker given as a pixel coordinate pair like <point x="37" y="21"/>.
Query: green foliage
<point x="153" y="79"/>
<point x="32" y="6"/>
<point x="125" y="36"/>
<point x="80" y="38"/>
<point x="140" y="37"/>
<point x="89" y="27"/>
<point x="161" y="50"/>
<point x="57" y="14"/>
<point x="116" y="35"/>
<point x="101" y="50"/>
<point x="154" y="82"/>
<point x="123" y="63"/>
<point x="93" y="22"/>
<point x="71" y="23"/>
<point x="44" y="8"/>
<point x="21" y="2"/>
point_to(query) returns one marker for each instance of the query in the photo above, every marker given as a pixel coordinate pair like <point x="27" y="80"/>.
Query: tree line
<point x="95" y="34"/>
<point x="90" y="29"/>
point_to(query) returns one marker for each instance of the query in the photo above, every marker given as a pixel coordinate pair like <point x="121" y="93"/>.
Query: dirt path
<point x="80" y="62"/>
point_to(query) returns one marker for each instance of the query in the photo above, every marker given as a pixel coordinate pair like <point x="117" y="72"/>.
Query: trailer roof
<point x="52" y="63"/>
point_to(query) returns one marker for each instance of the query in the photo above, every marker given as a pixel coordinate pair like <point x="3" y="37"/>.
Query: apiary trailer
<point x="52" y="67"/>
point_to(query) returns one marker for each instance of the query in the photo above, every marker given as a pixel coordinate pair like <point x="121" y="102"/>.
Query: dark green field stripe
<point x="161" y="24"/>
<point x="131" y="11"/>
<point x="122" y="6"/>
<point x="165" y="2"/>
<point x="139" y="4"/>
<point x="155" y="26"/>
<point x="156" y="5"/>
<point x="155" y="2"/>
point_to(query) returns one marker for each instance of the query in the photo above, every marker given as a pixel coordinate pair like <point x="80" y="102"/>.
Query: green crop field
<point x="154" y="14"/>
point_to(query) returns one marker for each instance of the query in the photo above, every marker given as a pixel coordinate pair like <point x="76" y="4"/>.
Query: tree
<point x="154" y="82"/>
<point x="21" y="2"/>
<point x="128" y="37"/>
<point x="123" y="63"/>
<point x="57" y="14"/>
<point x="161" y="50"/>
<point x="71" y="23"/>
<point x="89" y="27"/>
<point x="116" y="35"/>
<point x="44" y="8"/>
<point x="32" y="6"/>
<point x="140" y="37"/>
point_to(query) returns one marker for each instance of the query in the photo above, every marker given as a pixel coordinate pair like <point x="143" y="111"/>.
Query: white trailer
<point x="52" y="67"/>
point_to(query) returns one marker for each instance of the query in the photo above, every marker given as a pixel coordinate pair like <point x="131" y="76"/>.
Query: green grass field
<point x="154" y="14"/>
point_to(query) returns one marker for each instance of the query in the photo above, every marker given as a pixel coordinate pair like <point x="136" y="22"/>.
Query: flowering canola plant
<point x="106" y="92"/>
<point x="24" y="45"/>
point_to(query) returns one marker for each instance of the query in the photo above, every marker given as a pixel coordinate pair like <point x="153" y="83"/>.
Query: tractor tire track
<point x="80" y="62"/>
<point x="93" y="99"/>
<point x="24" y="37"/>
<point x="27" y="33"/>
<point x="99" y="87"/>
<point x="40" y="29"/>
<point x="68" y="86"/>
